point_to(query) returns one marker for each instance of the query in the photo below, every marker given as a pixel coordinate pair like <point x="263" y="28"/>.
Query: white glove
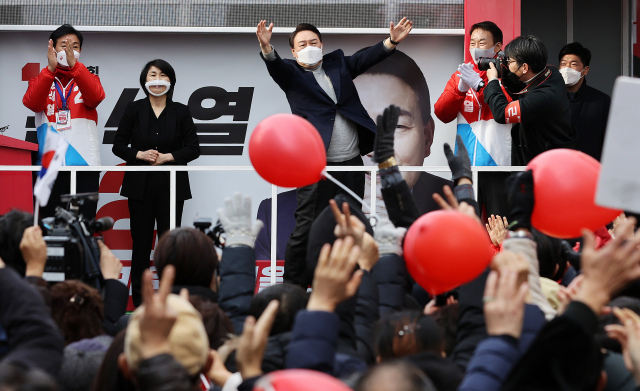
<point x="389" y="238"/>
<point x="469" y="76"/>
<point x="236" y="221"/>
<point x="462" y="86"/>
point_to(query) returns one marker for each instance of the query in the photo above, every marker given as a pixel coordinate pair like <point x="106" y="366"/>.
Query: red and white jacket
<point x="488" y="142"/>
<point x="87" y="93"/>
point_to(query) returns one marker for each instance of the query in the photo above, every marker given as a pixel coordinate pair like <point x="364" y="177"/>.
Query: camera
<point x="72" y="250"/>
<point x="500" y="62"/>
<point x="216" y="233"/>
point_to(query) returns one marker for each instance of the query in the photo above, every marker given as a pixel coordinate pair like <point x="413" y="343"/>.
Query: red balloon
<point x="286" y="150"/>
<point x="445" y="249"/>
<point x="564" y="187"/>
<point x="299" y="380"/>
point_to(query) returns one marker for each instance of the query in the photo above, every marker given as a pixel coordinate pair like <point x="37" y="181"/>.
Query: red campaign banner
<point x="263" y="274"/>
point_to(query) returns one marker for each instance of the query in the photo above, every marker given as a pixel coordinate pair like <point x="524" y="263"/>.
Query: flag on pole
<point x="55" y="147"/>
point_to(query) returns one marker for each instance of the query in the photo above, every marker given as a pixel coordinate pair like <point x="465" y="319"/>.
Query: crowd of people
<point x="545" y="315"/>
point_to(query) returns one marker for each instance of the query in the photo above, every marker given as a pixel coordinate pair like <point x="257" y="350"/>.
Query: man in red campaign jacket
<point x="65" y="95"/>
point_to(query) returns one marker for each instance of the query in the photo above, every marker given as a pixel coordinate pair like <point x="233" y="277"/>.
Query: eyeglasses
<point x="510" y="61"/>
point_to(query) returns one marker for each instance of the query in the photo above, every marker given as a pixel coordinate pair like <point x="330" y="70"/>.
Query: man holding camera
<point x="537" y="103"/>
<point x="488" y="142"/>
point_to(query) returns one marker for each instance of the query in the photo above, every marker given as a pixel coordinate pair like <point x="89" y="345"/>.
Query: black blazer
<point x="308" y="100"/>
<point x="181" y="140"/>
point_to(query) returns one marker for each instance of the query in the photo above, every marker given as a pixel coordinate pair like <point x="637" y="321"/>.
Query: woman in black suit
<point x="160" y="131"/>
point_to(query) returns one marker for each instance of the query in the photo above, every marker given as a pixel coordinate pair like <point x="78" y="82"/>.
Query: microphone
<point x="102" y="224"/>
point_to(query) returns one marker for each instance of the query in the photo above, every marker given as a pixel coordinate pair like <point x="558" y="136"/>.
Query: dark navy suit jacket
<point x="308" y="100"/>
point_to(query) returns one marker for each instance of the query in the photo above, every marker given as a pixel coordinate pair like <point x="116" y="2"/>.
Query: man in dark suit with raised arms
<point x="319" y="88"/>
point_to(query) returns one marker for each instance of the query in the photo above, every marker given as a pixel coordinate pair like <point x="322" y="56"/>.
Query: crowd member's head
<point x="526" y="56"/>
<point x="306" y="38"/>
<point x="109" y="376"/>
<point x="12" y="226"/>
<point x="158" y="70"/>
<point x="394" y="376"/>
<point x="485" y="40"/>
<point x="406" y="333"/>
<point x="16" y="377"/>
<point x="78" y="310"/>
<point x="193" y="255"/>
<point x="292" y="298"/>
<point x="551" y="256"/>
<point x="574" y="60"/>
<point x="216" y="321"/>
<point x="447" y="318"/>
<point x="398" y="80"/>
<point x="188" y="340"/>
<point x="60" y="35"/>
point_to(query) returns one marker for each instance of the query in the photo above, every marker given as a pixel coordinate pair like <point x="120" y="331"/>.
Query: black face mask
<point x="512" y="82"/>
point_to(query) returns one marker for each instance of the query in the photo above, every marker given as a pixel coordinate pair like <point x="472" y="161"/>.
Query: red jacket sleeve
<point x="448" y="105"/>
<point x="35" y="99"/>
<point x="89" y="85"/>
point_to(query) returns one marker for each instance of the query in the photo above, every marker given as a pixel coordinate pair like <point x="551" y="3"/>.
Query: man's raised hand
<point x="52" y="57"/>
<point x="71" y="58"/>
<point x="399" y="31"/>
<point x="34" y="251"/>
<point x="264" y="36"/>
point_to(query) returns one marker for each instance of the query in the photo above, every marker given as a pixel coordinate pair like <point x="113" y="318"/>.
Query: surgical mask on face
<point x="62" y="57"/>
<point x="157" y="83"/>
<point x="571" y="76"/>
<point x="310" y="55"/>
<point x="477" y="53"/>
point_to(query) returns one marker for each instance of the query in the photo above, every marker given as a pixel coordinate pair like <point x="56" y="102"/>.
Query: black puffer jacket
<point x="275" y="355"/>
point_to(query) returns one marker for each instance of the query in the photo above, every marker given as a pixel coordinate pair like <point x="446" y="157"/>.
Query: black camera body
<point x="500" y="62"/>
<point x="72" y="250"/>
<point x="216" y="233"/>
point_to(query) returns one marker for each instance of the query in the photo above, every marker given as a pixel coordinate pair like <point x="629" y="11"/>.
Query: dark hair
<point x="577" y="49"/>
<point x="490" y="27"/>
<point x="63" y="30"/>
<point x="109" y="377"/>
<point x="527" y="50"/>
<point x="191" y="252"/>
<point x="447" y="318"/>
<point x="292" y="299"/>
<point x="18" y="377"/>
<point x="78" y="310"/>
<point x="12" y="226"/>
<point x="403" y="67"/>
<point x="550" y="254"/>
<point x="216" y="322"/>
<point x="304" y="27"/>
<point x="406" y="333"/>
<point x="406" y="377"/>
<point x="166" y="68"/>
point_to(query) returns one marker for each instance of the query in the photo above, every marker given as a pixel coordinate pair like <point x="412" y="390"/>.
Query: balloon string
<point x="351" y="193"/>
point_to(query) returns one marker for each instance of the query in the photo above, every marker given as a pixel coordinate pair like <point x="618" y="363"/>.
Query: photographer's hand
<point x="492" y="72"/>
<point x="34" y="251"/>
<point x="109" y="264"/>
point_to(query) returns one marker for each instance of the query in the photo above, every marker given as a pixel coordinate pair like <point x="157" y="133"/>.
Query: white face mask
<point x="157" y="83"/>
<point x="477" y="53"/>
<point x="310" y="55"/>
<point x="62" y="57"/>
<point x="571" y="76"/>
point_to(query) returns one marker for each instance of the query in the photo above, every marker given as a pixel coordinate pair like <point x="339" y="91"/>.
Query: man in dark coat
<point x="538" y="106"/>
<point x="319" y="88"/>
<point x="589" y="107"/>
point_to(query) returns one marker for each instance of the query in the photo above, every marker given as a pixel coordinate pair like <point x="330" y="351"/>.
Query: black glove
<point x="387" y="122"/>
<point x="460" y="164"/>
<point x="520" y="200"/>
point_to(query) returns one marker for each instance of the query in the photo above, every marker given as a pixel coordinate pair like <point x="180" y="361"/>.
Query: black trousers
<point x="144" y="214"/>
<point x="86" y="181"/>
<point x="492" y="194"/>
<point x="311" y="201"/>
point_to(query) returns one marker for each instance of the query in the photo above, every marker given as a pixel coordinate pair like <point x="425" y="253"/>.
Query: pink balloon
<point x="286" y="150"/>
<point x="299" y="380"/>
<point x="564" y="186"/>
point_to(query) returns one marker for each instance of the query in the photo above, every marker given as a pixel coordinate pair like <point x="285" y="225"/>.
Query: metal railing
<point x="274" y="189"/>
